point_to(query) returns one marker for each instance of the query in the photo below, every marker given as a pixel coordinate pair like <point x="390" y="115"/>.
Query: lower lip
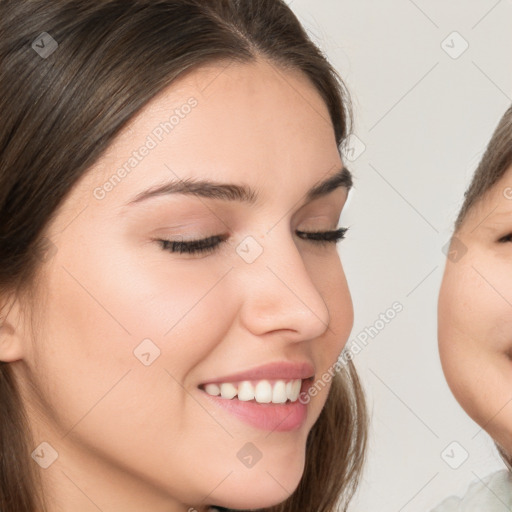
<point x="271" y="417"/>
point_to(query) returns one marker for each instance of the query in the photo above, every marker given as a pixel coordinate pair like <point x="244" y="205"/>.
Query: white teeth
<point x="289" y="386"/>
<point x="245" y="391"/>
<point x="293" y="391"/>
<point x="212" y="389"/>
<point x="264" y="392"/>
<point x="227" y="390"/>
<point x="279" y="392"/>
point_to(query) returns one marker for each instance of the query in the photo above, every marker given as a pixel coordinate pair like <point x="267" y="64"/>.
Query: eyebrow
<point x="494" y="221"/>
<point x="236" y="192"/>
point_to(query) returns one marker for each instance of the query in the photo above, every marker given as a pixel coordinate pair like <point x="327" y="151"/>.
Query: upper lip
<point x="272" y="371"/>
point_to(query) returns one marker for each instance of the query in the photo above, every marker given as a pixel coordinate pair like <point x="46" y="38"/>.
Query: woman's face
<point x="475" y="313"/>
<point x="128" y="333"/>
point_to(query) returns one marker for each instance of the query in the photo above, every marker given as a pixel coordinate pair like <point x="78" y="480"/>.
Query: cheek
<point x="474" y="310"/>
<point x="102" y="307"/>
<point x="475" y="338"/>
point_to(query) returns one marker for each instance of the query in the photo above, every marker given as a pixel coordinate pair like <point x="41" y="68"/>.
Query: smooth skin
<point x="475" y="313"/>
<point x="132" y="437"/>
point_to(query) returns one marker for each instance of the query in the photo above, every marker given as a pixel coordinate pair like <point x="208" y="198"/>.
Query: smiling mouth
<point x="264" y="391"/>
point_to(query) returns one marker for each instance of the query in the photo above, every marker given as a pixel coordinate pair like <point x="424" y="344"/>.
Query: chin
<point x="268" y="487"/>
<point x="254" y="499"/>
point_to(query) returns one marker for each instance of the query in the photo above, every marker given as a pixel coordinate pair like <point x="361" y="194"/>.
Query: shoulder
<point x="492" y="493"/>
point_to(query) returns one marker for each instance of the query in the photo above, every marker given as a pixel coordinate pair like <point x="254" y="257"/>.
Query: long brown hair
<point x="61" y="110"/>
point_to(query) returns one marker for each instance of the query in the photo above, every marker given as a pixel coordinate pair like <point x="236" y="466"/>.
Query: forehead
<point x="246" y="122"/>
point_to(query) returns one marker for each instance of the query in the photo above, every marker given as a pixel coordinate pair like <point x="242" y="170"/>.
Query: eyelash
<point x="505" y="239"/>
<point x="210" y="244"/>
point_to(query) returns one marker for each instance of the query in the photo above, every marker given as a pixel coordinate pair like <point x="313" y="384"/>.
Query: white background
<point x="425" y="119"/>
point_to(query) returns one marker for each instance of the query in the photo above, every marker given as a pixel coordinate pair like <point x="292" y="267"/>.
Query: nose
<point x="279" y="293"/>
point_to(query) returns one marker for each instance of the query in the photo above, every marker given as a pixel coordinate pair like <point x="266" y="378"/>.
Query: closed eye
<point x="209" y="244"/>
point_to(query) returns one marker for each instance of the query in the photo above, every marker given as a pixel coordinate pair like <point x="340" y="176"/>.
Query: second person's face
<point x="475" y="313"/>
